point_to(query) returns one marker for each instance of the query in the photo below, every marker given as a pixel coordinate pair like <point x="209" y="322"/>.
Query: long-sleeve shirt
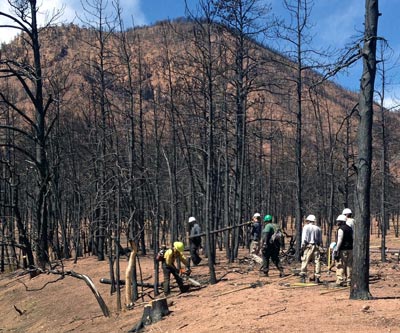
<point x="170" y="255"/>
<point x="311" y="235"/>
<point x="195" y="230"/>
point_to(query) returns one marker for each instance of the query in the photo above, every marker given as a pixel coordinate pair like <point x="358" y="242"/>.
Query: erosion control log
<point x="122" y="283"/>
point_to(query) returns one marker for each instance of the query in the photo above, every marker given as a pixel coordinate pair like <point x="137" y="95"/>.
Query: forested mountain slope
<point x="149" y="126"/>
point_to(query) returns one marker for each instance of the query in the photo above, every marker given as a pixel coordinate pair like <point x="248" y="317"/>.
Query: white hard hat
<point x="257" y="215"/>
<point x="347" y="211"/>
<point x="192" y="219"/>
<point x="341" y="218"/>
<point x="311" y="218"/>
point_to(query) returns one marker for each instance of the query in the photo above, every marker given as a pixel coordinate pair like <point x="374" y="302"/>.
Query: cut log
<point x="251" y="285"/>
<point x="122" y="283"/>
<point x="152" y="313"/>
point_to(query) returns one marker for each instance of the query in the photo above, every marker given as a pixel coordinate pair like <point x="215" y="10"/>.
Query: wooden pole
<point x="222" y="229"/>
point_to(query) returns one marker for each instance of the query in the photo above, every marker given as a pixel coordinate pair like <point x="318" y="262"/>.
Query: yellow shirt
<point x="171" y="254"/>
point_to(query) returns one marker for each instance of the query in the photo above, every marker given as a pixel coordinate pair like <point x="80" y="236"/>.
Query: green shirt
<point x="270" y="227"/>
<point x="268" y="231"/>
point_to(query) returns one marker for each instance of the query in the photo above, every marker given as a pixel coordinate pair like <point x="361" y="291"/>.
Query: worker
<point x="168" y="266"/>
<point x="271" y="245"/>
<point x="255" y="234"/>
<point x="194" y="240"/>
<point x="343" y="252"/>
<point x="311" y="239"/>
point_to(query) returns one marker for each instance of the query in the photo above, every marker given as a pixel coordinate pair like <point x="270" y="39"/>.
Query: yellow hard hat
<point x="179" y="246"/>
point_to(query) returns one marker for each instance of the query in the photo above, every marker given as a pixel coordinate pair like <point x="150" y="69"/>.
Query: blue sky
<point x="335" y="22"/>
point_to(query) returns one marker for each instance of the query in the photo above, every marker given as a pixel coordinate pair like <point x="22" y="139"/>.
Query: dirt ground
<point x="242" y="301"/>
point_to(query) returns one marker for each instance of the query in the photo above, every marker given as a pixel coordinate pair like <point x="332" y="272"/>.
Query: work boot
<point x="302" y="279"/>
<point x="340" y="284"/>
<point x="317" y="280"/>
<point x="281" y="274"/>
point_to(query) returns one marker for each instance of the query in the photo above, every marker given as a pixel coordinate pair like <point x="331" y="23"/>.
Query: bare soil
<point x="242" y="300"/>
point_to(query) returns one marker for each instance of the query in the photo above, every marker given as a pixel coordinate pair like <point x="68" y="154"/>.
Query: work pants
<point x="167" y="271"/>
<point x="344" y="267"/>
<point x="311" y="253"/>
<point x="255" y="247"/>
<point x="194" y="253"/>
<point x="271" y="252"/>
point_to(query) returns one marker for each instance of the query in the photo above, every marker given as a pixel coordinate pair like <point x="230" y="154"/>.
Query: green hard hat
<point x="267" y="218"/>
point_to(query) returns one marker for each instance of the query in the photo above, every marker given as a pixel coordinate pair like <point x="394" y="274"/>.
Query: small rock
<point x="365" y="308"/>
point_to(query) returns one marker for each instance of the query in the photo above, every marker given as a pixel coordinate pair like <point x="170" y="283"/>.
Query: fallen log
<point x="122" y="283"/>
<point x="251" y="285"/>
<point x="89" y="283"/>
<point x="92" y="287"/>
<point x="271" y="313"/>
<point x="152" y="313"/>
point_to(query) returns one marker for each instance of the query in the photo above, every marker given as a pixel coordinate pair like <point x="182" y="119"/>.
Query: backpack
<point x="160" y="254"/>
<point x="277" y="237"/>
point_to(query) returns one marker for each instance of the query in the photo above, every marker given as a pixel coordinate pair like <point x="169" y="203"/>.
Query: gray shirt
<point x="311" y="235"/>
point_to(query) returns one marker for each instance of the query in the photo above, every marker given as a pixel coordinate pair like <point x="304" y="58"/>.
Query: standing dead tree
<point x="360" y="278"/>
<point x="33" y="110"/>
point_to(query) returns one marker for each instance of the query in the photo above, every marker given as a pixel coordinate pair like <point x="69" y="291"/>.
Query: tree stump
<point x="152" y="313"/>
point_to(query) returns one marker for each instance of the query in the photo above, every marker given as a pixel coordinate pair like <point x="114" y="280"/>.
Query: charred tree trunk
<point x="152" y="313"/>
<point x="360" y="278"/>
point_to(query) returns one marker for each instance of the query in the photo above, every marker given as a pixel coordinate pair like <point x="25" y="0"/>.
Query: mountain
<point x="178" y="111"/>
